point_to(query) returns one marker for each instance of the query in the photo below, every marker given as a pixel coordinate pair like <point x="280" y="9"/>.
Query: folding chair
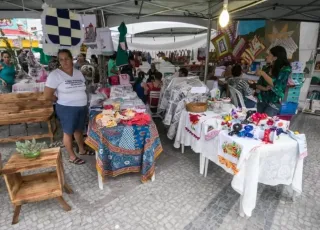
<point x="154" y="95"/>
<point x="237" y="98"/>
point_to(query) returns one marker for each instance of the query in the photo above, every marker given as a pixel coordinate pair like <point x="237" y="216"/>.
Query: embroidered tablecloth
<point x="124" y="149"/>
<point x="271" y="164"/>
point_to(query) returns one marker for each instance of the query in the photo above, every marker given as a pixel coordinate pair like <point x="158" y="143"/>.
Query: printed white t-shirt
<point x="71" y="91"/>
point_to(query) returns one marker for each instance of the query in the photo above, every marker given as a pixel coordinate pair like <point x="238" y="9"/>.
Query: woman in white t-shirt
<point x="66" y="86"/>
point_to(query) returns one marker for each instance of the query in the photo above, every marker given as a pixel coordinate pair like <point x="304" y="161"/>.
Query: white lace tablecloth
<point x="270" y="164"/>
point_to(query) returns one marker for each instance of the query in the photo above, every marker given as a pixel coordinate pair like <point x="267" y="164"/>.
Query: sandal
<point x="88" y="152"/>
<point x="77" y="161"/>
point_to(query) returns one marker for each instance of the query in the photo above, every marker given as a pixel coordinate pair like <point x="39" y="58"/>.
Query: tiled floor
<point x="179" y="198"/>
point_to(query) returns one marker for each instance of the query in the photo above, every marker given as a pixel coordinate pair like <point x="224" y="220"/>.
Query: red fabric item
<point x="114" y="80"/>
<point x="151" y="87"/>
<point x="105" y="91"/>
<point x="138" y="119"/>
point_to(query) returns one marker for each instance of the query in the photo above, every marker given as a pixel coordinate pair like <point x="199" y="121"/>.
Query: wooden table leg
<point x="68" y="189"/>
<point x="64" y="204"/>
<point x="16" y="214"/>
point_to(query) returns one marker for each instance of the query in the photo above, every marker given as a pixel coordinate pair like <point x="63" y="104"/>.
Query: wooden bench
<point x="24" y="108"/>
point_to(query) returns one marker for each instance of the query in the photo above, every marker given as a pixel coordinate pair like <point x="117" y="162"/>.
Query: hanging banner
<point x="62" y="29"/>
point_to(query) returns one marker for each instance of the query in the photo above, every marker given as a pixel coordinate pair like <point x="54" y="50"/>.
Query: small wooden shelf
<point x="38" y="187"/>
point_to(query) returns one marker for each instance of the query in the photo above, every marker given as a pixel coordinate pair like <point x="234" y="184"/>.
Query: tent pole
<point x="100" y="24"/>
<point x="208" y="41"/>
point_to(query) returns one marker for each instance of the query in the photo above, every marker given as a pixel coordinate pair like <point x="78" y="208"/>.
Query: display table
<point x="38" y="186"/>
<point x="271" y="164"/>
<point x="124" y="149"/>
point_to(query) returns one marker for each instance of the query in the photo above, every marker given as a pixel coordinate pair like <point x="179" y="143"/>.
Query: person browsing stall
<point x="81" y="61"/>
<point x="271" y="95"/>
<point x="183" y="72"/>
<point x="66" y="86"/>
<point x="155" y="85"/>
<point x="112" y="67"/>
<point x="151" y="73"/>
<point x="241" y="85"/>
<point x="7" y="73"/>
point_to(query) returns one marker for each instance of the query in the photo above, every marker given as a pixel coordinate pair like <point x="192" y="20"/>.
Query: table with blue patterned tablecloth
<point x="124" y="149"/>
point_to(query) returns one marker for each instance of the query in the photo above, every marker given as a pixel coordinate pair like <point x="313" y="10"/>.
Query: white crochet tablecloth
<point x="270" y="164"/>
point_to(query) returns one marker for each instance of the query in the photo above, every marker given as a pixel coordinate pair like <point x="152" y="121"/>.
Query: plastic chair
<point x="154" y="95"/>
<point x="237" y="98"/>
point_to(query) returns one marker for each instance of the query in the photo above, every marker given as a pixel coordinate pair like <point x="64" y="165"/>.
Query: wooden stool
<point x="35" y="187"/>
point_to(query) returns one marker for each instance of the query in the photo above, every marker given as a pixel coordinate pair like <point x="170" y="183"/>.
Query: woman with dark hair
<point x="7" y="73"/>
<point x="81" y="61"/>
<point x="66" y="86"/>
<point x="271" y="95"/>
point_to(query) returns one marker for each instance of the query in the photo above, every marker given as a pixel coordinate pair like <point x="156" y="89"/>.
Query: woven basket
<point x="196" y="107"/>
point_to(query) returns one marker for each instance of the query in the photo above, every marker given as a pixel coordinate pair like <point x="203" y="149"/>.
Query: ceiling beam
<point x="103" y="6"/>
<point x="294" y="10"/>
<point x="167" y="10"/>
<point x="17" y="5"/>
<point x="242" y="8"/>
<point x="106" y="10"/>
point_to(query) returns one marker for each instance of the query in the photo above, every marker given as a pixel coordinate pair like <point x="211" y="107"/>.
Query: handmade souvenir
<point x="222" y="45"/>
<point x="239" y="46"/>
<point x="256" y="46"/>
<point x="247" y="132"/>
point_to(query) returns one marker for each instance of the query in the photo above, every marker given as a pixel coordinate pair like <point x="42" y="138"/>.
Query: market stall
<point x="175" y="93"/>
<point x="123" y="135"/>
<point x="252" y="147"/>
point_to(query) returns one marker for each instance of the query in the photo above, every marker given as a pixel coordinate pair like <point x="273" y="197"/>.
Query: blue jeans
<point x="270" y="110"/>
<point x="249" y="103"/>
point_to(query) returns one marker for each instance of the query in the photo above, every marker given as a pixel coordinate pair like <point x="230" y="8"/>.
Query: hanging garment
<point x="122" y="54"/>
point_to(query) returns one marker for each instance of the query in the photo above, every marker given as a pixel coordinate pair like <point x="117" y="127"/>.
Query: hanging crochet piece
<point x="62" y="29"/>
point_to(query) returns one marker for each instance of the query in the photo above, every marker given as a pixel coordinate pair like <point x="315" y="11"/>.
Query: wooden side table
<point x="35" y="187"/>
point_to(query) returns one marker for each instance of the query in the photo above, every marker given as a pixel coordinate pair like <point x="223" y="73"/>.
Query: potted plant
<point x="30" y="149"/>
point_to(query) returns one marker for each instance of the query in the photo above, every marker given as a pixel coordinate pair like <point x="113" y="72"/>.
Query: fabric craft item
<point x="194" y="124"/>
<point x="212" y="127"/>
<point x="124" y="149"/>
<point x="233" y="151"/>
<point x="36" y="71"/>
<point x="239" y="46"/>
<point x="201" y="54"/>
<point x="90" y="24"/>
<point x="122" y="54"/>
<point x="222" y="45"/>
<point x="139" y="119"/>
<point x="124" y="79"/>
<point x="302" y="143"/>
<point x="230" y="30"/>
<point x="256" y="46"/>
<point x="61" y="29"/>
<point x="104" y="42"/>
